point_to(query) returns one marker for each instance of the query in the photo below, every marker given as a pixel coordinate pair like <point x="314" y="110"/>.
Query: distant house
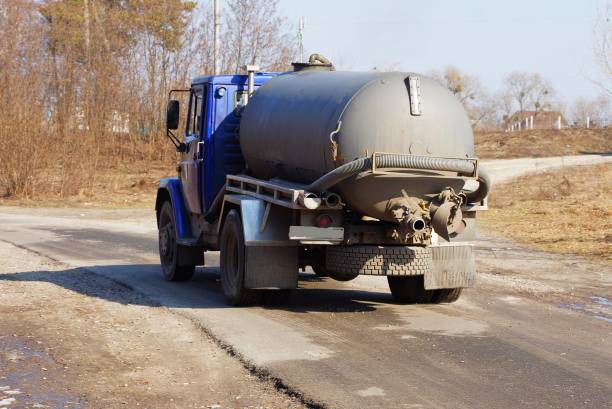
<point x="525" y="120"/>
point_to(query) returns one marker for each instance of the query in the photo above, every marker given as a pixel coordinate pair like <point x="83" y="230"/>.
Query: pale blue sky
<point x="488" y="39"/>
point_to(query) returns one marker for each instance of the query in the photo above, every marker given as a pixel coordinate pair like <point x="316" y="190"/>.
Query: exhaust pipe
<point x="251" y="70"/>
<point x="309" y="200"/>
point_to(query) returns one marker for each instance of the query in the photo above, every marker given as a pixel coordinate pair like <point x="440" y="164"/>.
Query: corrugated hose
<point x="399" y="161"/>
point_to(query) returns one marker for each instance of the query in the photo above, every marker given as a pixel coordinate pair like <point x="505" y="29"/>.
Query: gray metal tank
<point x="302" y="125"/>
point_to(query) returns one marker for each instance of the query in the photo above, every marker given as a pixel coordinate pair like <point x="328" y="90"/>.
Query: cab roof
<point x="260" y="78"/>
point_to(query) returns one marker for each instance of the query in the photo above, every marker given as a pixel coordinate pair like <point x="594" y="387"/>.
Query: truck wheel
<point x="320" y="271"/>
<point x="171" y="268"/>
<point x="411" y="290"/>
<point x="447" y="295"/>
<point x="342" y="276"/>
<point x="232" y="262"/>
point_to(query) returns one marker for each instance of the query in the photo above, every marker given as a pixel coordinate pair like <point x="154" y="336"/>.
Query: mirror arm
<point x="180" y="146"/>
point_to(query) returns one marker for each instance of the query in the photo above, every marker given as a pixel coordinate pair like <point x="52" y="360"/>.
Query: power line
<point x="454" y="20"/>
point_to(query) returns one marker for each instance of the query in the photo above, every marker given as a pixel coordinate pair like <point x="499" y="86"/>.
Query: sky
<point x="485" y="38"/>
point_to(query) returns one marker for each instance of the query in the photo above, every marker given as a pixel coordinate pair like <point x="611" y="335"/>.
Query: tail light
<point x="323" y="220"/>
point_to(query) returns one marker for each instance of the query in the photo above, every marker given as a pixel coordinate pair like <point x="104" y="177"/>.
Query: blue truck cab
<point x="209" y="150"/>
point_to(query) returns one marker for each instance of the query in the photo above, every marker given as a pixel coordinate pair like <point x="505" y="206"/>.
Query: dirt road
<point x="534" y="333"/>
<point x="501" y="170"/>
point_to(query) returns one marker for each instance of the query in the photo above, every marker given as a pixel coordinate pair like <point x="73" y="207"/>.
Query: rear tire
<point x="171" y="268"/>
<point x="411" y="290"/>
<point x="232" y="262"/>
<point x="322" y="272"/>
<point x="319" y="270"/>
<point x="342" y="276"/>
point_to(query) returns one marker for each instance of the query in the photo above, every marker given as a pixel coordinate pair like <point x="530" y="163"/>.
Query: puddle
<point x="602" y="301"/>
<point x="7" y="402"/>
<point x="601" y="309"/>
<point x="26" y="381"/>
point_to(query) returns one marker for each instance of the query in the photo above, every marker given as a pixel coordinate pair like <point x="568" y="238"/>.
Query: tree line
<point x="84" y="83"/>
<point x="521" y="91"/>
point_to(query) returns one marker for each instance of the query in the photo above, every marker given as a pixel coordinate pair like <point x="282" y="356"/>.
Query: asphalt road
<point x="534" y="333"/>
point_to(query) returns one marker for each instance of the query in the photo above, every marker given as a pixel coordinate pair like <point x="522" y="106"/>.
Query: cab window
<point x="196" y="111"/>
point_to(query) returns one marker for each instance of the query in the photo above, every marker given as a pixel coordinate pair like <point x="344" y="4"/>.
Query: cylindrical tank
<point x="300" y="126"/>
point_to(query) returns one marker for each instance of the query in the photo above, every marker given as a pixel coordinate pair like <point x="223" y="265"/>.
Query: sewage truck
<point x="349" y="173"/>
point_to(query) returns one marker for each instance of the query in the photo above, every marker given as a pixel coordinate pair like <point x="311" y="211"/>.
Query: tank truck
<point x="350" y="173"/>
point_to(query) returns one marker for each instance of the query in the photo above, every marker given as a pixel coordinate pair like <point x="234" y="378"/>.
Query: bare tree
<point x="479" y="105"/>
<point x="504" y="103"/>
<point x="464" y="86"/>
<point x="88" y="79"/>
<point x="256" y="34"/>
<point x="602" y="47"/>
<point x="24" y="107"/>
<point x="598" y="111"/>
<point x="529" y="91"/>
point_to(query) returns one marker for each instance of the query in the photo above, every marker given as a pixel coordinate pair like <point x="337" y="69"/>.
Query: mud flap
<point x="453" y="266"/>
<point x="271" y="258"/>
<point x="271" y="267"/>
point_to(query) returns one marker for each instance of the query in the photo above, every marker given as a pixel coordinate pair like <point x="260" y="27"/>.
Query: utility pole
<point x="217" y="62"/>
<point x="301" y="25"/>
<point x="87" y="32"/>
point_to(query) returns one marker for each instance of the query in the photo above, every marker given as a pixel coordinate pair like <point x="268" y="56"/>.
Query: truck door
<point x="191" y="159"/>
<point x="224" y="153"/>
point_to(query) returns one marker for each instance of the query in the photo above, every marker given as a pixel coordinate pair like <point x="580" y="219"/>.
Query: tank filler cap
<point x="316" y="62"/>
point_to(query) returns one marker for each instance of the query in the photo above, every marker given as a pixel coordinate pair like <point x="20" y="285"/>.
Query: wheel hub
<point x="165" y="242"/>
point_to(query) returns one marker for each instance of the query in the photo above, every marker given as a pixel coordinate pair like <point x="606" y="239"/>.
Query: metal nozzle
<point x="417" y="224"/>
<point x="332" y="200"/>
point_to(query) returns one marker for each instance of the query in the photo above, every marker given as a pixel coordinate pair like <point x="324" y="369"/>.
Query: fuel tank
<point x="302" y="125"/>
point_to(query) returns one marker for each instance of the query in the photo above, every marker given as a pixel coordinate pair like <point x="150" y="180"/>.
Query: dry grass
<point x="129" y="185"/>
<point x="563" y="211"/>
<point x="89" y="171"/>
<point x="542" y="143"/>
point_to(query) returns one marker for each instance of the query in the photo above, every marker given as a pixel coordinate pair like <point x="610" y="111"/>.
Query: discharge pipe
<point x="251" y="70"/>
<point x="484" y="185"/>
<point x="417" y="224"/>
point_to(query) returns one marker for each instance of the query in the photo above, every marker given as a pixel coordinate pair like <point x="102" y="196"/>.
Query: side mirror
<point x="172" y="114"/>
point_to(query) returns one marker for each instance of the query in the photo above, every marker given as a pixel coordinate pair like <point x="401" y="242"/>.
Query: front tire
<point x="411" y="290"/>
<point x="171" y="268"/>
<point x="232" y="262"/>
